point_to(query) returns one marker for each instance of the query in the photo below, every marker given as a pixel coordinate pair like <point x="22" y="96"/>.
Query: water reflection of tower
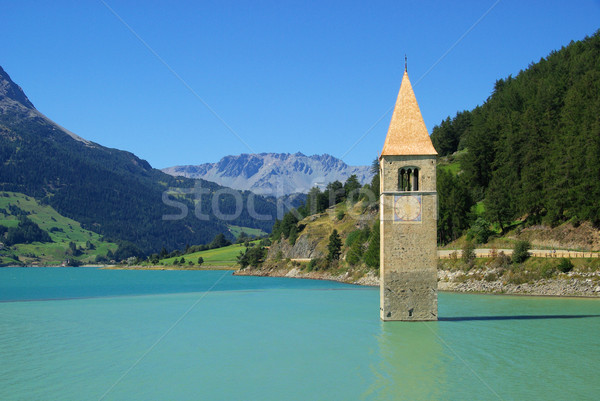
<point x="411" y="363"/>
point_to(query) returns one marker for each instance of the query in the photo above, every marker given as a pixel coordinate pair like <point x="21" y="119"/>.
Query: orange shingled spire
<point x="407" y="134"/>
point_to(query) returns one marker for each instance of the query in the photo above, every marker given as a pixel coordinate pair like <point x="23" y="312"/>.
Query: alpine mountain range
<point x="274" y="174"/>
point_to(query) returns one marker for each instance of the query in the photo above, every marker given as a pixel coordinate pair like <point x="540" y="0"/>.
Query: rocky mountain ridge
<point x="13" y="101"/>
<point x="274" y="174"/>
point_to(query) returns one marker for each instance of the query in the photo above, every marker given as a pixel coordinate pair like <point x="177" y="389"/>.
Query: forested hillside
<point x="109" y="191"/>
<point x="533" y="148"/>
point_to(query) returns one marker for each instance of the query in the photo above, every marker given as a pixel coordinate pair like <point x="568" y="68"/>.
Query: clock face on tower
<point x="407" y="208"/>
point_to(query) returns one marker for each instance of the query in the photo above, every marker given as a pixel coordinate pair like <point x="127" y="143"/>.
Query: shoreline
<point x="160" y="267"/>
<point x="578" y="285"/>
<point x="566" y="285"/>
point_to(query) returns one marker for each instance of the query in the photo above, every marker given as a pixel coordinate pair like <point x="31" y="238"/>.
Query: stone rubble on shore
<point x="370" y="278"/>
<point x="569" y="284"/>
<point x="565" y="284"/>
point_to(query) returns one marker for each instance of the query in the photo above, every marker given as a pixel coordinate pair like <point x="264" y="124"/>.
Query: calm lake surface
<point x="90" y="334"/>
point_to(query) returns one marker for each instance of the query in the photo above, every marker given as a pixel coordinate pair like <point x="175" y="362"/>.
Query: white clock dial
<point x="407" y="208"/>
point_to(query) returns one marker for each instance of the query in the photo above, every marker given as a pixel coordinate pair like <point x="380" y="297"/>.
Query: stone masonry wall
<point x="408" y="248"/>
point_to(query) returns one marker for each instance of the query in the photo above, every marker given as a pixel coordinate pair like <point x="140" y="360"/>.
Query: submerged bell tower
<point x="408" y="215"/>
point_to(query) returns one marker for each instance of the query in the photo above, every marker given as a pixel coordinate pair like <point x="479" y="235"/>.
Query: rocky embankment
<point x="566" y="236"/>
<point x="289" y="270"/>
<point x="573" y="284"/>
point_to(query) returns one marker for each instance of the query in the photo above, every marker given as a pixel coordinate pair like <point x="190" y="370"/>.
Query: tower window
<point x="416" y="179"/>
<point x="408" y="179"/>
<point x="401" y="179"/>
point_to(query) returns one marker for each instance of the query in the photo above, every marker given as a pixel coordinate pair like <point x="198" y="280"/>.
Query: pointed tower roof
<point x="407" y="134"/>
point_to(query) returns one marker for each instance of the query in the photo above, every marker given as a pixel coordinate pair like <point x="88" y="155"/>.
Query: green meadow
<point x="225" y="256"/>
<point x="254" y="232"/>
<point x="62" y="230"/>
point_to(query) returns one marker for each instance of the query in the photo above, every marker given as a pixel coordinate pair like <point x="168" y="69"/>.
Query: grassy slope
<point x="451" y="163"/>
<point x="322" y="226"/>
<point x="237" y="230"/>
<point x="225" y="256"/>
<point x="453" y="167"/>
<point x="46" y="217"/>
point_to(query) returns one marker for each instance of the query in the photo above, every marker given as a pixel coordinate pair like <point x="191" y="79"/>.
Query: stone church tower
<point x="408" y="207"/>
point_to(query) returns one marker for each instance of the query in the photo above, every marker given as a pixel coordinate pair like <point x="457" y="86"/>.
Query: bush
<point x="353" y="236"/>
<point x="317" y="264"/>
<point x="252" y="257"/>
<point x="154" y="259"/>
<point x="546" y="270"/>
<point x="565" y="265"/>
<point x="71" y="263"/>
<point x="480" y="231"/>
<point x="361" y="235"/>
<point x="521" y="251"/>
<point x="490" y="277"/>
<point x="355" y="253"/>
<point x="590" y="265"/>
<point x="516" y="277"/>
<point x="501" y="262"/>
<point x="468" y="254"/>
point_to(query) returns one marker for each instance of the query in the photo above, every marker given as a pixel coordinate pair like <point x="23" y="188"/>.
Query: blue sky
<point x="227" y="77"/>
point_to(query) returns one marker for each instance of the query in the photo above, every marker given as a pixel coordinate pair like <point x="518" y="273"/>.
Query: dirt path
<point x="540" y="253"/>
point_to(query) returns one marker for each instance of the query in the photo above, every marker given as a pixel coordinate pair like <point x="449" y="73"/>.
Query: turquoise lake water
<point x="90" y="334"/>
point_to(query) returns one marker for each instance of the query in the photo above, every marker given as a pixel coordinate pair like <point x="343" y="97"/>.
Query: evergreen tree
<point x="163" y="253"/>
<point x="455" y="203"/>
<point x="498" y="207"/>
<point x="219" y="241"/>
<point x="375" y="181"/>
<point x="334" y="193"/>
<point x="351" y="188"/>
<point x="276" y="231"/>
<point x="293" y="235"/>
<point x="372" y="254"/>
<point x="533" y="147"/>
<point x="334" y="248"/>
<point x="313" y="202"/>
<point x="446" y="137"/>
<point x="355" y="253"/>
<point x="288" y="223"/>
